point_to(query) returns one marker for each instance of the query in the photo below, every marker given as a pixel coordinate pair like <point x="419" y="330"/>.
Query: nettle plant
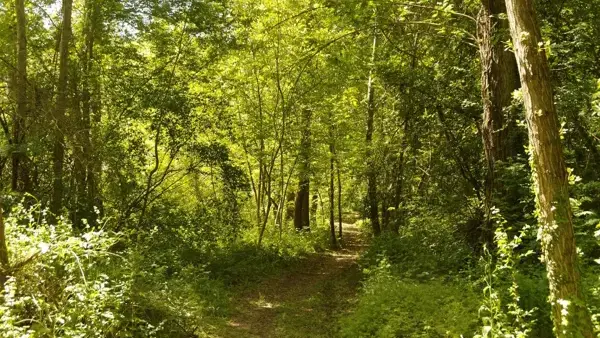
<point x="56" y="283"/>
<point x="500" y="312"/>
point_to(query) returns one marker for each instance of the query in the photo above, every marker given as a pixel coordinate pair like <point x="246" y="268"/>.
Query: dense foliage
<point x="159" y="158"/>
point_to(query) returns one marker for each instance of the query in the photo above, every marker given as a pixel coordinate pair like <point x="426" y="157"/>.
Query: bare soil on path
<point x="304" y="301"/>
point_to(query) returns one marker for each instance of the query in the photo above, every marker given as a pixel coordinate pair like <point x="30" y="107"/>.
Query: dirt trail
<point x="303" y="302"/>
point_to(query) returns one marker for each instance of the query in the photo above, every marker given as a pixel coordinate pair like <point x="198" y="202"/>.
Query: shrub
<point x="59" y="284"/>
<point x="425" y="246"/>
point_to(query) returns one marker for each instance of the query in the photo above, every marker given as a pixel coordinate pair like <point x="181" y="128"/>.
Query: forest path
<point x="305" y="301"/>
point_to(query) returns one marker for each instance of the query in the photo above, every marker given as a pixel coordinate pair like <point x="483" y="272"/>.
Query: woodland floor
<point x="304" y="301"/>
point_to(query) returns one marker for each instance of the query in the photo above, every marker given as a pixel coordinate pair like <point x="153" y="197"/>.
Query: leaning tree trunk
<point x="372" y="202"/>
<point x="20" y="175"/>
<point x="499" y="78"/>
<point x="569" y="312"/>
<point x="58" y="153"/>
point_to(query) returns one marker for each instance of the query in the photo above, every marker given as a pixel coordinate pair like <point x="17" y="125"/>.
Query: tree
<point x="86" y="162"/>
<point x="499" y="78"/>
<point x="331" y="185"/>
<point x="302" y="206"/>
<point x="372" y="200"/>
<point x="60" y="123"/>
<point x="20" y="175"/>
<point x="569" y="312"/>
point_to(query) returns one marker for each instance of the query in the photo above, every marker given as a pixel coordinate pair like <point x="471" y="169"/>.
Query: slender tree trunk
<point x="399" y="183"/>
<point x="58" y="153"/>
<point x="372" y="202"/>
<point x="84" y="166"/>
<point x="79" y="174"/>
<point x="20" y="175"/>
<point x="261" y="159"/>
<point x="499" y="78"/>
<point x="339" y="181"/>
<point x="569" y="312"/>
<point x="3" y="249"/>
<point x="332" y="187"/>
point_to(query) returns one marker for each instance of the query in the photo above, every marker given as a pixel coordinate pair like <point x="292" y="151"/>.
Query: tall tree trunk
<point x="372" y="202"/>
<point x="331" y="187"/>
<point x="3" y="249"/>
<point x="339" y="181"/>
<point x="58" y="153"/>
<point x="302" y="209"/>
<point x="84" y="166"/>
<point x="569" y="312"/>
<point x="499" y="78"/>
<point x="20" y="175"/>
<point x="399" y="183"/>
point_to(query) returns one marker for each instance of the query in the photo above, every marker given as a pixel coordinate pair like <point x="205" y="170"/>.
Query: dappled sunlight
<point x="305" y="299"/>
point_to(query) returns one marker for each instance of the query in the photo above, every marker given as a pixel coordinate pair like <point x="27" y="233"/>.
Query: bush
<point x="59" y="283"/>
<point x="425" y="246"/>
<point x="69" y="284"/>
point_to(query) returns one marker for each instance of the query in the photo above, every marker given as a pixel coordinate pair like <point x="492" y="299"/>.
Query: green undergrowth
<point x="175" y="282"/>
<point x="393" y="306"/>
<point x="414" y="286"/>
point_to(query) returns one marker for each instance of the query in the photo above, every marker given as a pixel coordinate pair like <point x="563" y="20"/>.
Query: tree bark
<point x="569" y="312"/>
<point x="331" y="187"/>
<point x="372" y="202"/>
<point x="85" y="174"/>
<point x="499" y="78"/>
<point x="20" y="175"/>
<point x="58" y="152"/>
<point x="302" y="209"/>
<point x="339" y="181"/>
<point x="3" y="250"/>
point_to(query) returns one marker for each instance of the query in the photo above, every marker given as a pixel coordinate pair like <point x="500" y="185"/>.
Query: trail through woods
<point x="305" y="301"/>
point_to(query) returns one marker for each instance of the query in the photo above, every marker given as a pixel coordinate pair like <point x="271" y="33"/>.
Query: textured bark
<point x="20" y="174"/>
<point x="302" y="206"/>
<point x="372" y="201"/>
<point x="58" y="153"/>
<point x="499" y="78"/>
<point x="569" y="312"/>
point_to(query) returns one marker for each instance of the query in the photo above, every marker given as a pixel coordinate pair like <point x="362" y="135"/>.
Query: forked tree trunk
<point x="569" y="312"/>
<point x="372" y="202"/>
<point x="58" y="153"/>
<point x="499" y="78"/>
